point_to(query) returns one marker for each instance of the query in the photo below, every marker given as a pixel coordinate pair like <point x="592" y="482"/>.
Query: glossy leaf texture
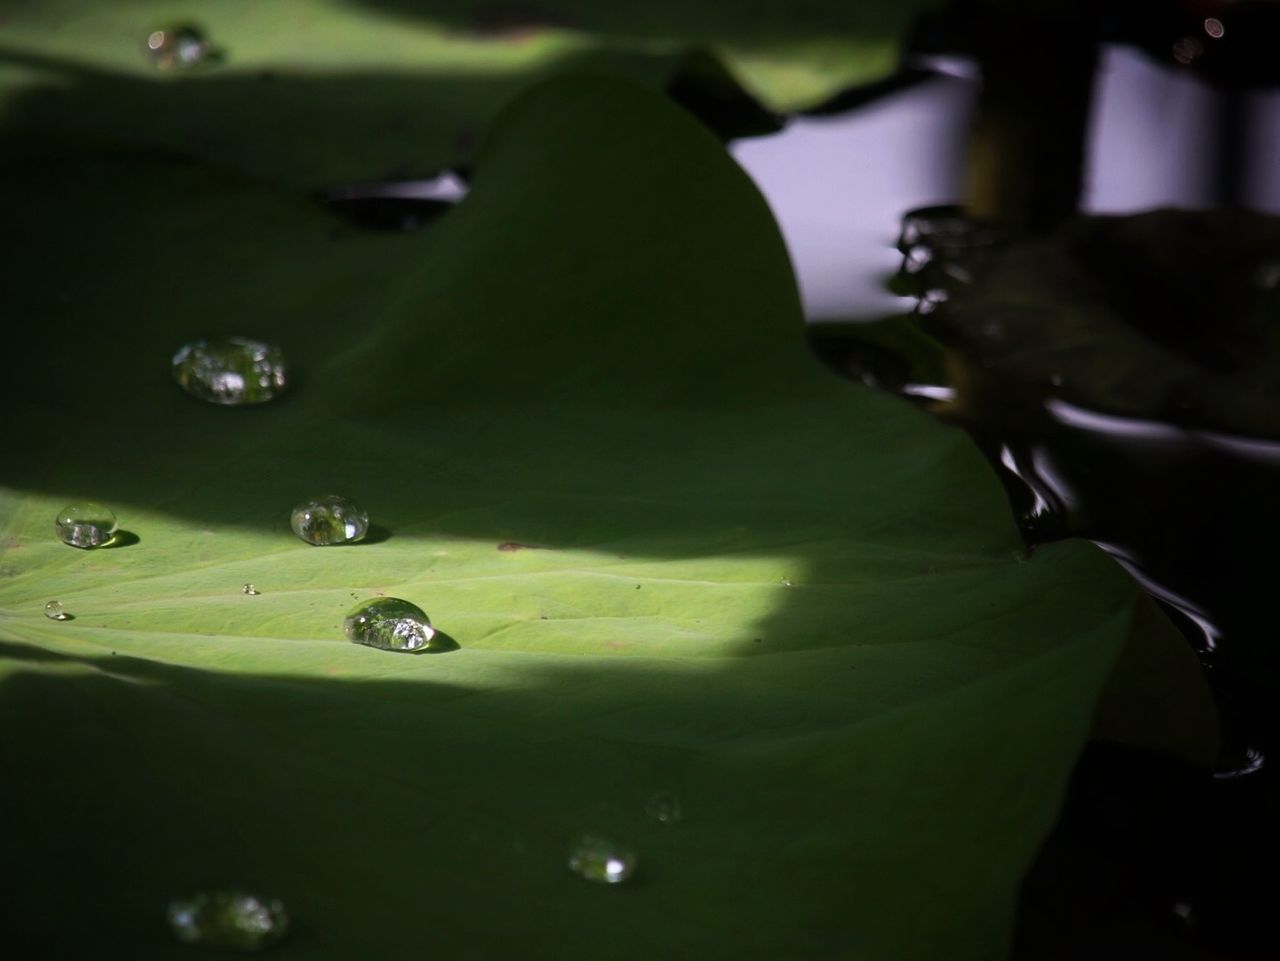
<point x="677" y="555"/>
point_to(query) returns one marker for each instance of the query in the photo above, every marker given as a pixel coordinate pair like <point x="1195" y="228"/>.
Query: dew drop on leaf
<point x="56" y="612"/>
<point x="330" y="520"/>
<point x="600" y="859"/>
<point x="230" y="370"/>
<point x="177" y="46"/>
<point x="391" y="624"/>
<point x="228" y="920"/>
<point x="249" y="589"/>
<point x="85" y="524"/>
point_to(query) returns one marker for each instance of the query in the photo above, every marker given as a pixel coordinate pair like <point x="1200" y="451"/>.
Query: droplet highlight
<point x="392" y="624"/>
<point x="230" y="371"/>
<point x="228" y="920"/>
<point x="603" y="860"/>
<point x="250" y="589"/>
<point x="664" y="806"/>
<point x="85" y="524"/>
<point x="178" y="46"/>
<point x="56" y="612"/>
<point x="331" y="519"/>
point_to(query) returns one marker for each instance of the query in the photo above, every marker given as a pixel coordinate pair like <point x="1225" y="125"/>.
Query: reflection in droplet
<point x="228" y="920"/>
<point x="392" y="624"/>
<point x="664" y="806"/>
<point x="178" y="46"/>
<point x="56" y="612"/>
<point x="230" y="370"/>
<point x="600" y="859"/>
<point x="331" y="519"/>
<point x="249" y="589"/>
<point x="85" y="524"/>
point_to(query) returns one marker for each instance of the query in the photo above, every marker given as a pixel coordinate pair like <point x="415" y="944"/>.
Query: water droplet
<point x="249" y="589"/>
<point x="786" y="582"/>
<point x="391" y="624"/>
<point x="178" y="46"/>
<point x="229" y="920"/>
<point x="85" y="524"/>
<point x="56" y="612"/>
<point x="396" y="205"/>
<point x="331" y="519"/>
<point x="664" y="806"/>
<point x="1214" y="28"/>
<point x="600" y="859"/>
<point x="230" y="370"/>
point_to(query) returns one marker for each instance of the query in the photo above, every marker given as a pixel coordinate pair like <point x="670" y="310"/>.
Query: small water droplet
<point x="391" y="624"/>
<point x="249" y="589"/>
<point x="230" y="370"/>
<point x="600" y="859"/>
<point x="396" y="205"/>
<point x="331" y="519"/>
<point x="786" y="582"/>
<point x="56" y="612"/>
<point x="1214" y="28"/>
<point x="228" y="920"/>
<point x="85" y="524"/>
<point x="665" y="807"/>
<point x="177" y="46"/>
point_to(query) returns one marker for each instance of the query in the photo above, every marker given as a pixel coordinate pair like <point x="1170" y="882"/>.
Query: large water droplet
<point x="85" y="524"/>
<point x="249" y="589"/>
<point x="330" y="520"/>
<point x="230" y="370"/>
<point x="391" y="624"/>
<point x="600" y="859"/>
<point x="665" y="807"/>
<point x="229" y="920"/>
<point x="56" y="612"/>
<point x="177" y="46"/>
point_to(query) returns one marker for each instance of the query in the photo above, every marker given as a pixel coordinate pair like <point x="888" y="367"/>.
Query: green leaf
<point x="317" y="92"/>
<point x="800" y="605"/>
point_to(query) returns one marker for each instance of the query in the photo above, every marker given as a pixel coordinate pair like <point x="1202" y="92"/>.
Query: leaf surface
<point x="798" y="604"/>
